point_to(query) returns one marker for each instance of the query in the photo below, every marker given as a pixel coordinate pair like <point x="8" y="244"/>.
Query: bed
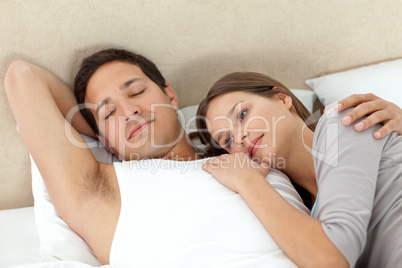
<point x="322" y="50"/>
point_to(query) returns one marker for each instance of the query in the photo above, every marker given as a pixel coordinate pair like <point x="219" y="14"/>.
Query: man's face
<point x="137" y="119"/>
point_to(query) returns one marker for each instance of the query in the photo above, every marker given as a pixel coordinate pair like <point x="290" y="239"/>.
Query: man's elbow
<point x="16" y="72"/>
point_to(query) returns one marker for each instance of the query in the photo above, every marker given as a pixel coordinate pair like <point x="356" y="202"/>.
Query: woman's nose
<point x="239" y="144"/>
<point x="239" y="137"/>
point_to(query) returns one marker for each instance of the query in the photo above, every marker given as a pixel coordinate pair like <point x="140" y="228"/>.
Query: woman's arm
<point x="346" y="165"/>
<point x="300" y="236"/>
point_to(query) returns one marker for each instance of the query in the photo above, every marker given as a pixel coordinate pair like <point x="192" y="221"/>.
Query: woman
<point x="355" y="179"/>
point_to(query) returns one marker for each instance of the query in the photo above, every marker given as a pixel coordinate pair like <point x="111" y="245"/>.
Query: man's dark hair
<point x="92" y="63"/>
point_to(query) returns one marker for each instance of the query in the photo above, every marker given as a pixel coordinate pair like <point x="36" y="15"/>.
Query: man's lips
<point x="139" y="128"/>
<point x="254" y="145"/>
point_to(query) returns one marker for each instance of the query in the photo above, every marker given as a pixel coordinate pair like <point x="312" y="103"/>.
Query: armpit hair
<point x="98" y="185"/>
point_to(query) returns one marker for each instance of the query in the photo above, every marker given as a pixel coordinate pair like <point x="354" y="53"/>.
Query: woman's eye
<point x="242" y="114"/>
<point x="228" y="141"/>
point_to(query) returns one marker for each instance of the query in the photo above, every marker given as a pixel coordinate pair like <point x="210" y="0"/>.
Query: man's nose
<point x="128" y="110"/>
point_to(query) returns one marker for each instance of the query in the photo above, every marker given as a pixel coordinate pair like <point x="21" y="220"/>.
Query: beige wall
<point x="194" y="42"/>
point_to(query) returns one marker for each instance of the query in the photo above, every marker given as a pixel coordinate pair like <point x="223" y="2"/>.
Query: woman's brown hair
<point x="256" y="83"/>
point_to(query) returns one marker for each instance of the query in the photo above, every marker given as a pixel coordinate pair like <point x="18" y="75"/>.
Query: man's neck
<point x="182" y="151"/>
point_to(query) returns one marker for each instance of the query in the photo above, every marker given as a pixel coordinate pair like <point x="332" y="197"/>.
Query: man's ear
<point x="285" y="99"/>
<point x="105" y="143"/>
<point x="174" y="99"/>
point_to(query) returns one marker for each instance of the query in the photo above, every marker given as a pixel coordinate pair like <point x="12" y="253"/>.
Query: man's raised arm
<point x="68" y="171"/>
<point x="63" y="96"/>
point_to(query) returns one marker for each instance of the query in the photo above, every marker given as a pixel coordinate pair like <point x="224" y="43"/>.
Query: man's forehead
<point x="111" y="77"/>
<point x="119" y="67"/>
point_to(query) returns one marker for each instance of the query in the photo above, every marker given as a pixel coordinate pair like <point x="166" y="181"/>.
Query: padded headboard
<point x="193" y="42"/>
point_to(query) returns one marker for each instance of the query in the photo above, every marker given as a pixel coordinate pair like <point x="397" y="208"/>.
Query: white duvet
<point x="20" y="242"/>
<point x="25" y="243"/>
<point x="174" y="214"/>
<point x="59" y="264"/>
<point x="49" y="242"/>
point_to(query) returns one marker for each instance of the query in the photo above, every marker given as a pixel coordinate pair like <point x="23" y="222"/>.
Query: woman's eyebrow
<point x="231" y="111"/>
<point x="220" y="135"/>
<point x="229" y="114"/>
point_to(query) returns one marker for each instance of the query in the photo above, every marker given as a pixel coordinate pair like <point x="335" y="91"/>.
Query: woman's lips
<point x="254" y="145"/>
<point x="139" y="128"/>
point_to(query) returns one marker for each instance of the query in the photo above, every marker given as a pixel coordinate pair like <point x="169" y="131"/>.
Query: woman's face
<point x="249" y="123"/>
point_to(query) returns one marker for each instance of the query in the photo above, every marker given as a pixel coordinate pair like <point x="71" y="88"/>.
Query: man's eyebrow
<point x="125" y="85"/>
<point x="101" y="104"/>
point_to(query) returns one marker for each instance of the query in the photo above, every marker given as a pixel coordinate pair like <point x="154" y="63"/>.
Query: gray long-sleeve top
<point x="360" y="191"/>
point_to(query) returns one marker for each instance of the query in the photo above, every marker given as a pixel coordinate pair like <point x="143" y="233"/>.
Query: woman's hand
<point x="234" y="170"/>
<point x="377" y="111"/>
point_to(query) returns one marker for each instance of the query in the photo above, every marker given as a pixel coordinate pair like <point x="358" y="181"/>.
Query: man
<point x="85" y="191"/>
<point x="130" y="108"/>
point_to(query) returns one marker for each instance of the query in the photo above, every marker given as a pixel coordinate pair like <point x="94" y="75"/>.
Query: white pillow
<point x="56" y="240"/>
<point x="19" y="238"/>
<point x="187" y="116"/>
<point x="383" y="79"/>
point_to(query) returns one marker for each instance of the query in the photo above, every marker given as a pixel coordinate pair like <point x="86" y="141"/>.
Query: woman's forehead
<point x="222" y="104"/>
<point x="219" y="123"/>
